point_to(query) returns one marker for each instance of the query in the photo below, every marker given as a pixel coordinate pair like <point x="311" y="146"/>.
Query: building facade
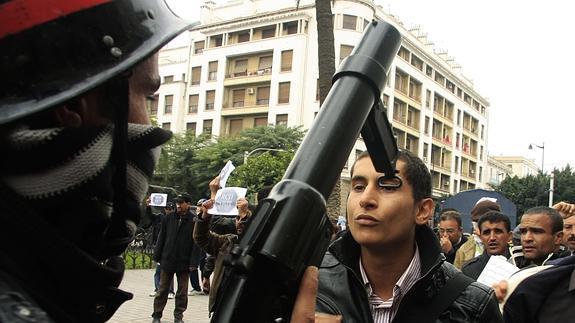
<point x="253" y="62"/>
<point x="520" y="166"/>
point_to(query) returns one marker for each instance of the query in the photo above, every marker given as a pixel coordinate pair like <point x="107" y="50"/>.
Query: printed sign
<point x="226" y="199"/>
<point x="158" y="199"/>
<point x="225" y="173"/>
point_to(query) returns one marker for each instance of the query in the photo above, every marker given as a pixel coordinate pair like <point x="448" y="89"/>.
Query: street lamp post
<point x="542" y="153"/>
<point x="248" y="154"/>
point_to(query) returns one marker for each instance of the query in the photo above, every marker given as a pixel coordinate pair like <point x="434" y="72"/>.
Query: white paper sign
<point x="226" y="199"/>
<point x="158" y="199"/>
<point x="225" y="173"/>
<point x="496" y="270"/>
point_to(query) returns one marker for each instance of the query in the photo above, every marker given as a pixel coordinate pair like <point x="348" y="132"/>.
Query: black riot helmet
<point x="53" y="51"/>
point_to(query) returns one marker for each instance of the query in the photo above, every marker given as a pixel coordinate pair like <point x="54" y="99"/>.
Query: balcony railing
<point x="260" y="72"/>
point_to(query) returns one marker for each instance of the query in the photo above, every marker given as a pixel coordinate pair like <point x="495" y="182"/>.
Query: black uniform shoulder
<point x="16" y="306"/>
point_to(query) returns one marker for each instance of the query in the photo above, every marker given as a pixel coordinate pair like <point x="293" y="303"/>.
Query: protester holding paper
<point x="495" y="233"/>
<point x="218" y="244"/>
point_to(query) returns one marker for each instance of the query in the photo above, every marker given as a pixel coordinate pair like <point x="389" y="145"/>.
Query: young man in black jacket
<point x="176" y="253"/>
<point x="389" y="267"/>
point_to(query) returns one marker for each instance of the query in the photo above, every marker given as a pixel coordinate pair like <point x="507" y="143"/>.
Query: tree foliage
<point x="531" y="191"/>
<point x="189" y="163"/>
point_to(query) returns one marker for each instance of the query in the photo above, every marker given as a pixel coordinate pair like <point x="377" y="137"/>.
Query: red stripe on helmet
<point x="20" y="15"/>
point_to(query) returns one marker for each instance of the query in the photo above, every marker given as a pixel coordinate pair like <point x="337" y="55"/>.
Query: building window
<point x="166" y="125"/>
<point x="365" y="23"/>
<point x="168" y="103"/>
<point x="426" y="126"/>
<point x="459" y="117"/>
<point x="349" y="22"/>
<point x="344" y="51"/>
<point x="403" y="53"/>
<point x="191" y="127"/>
<point x="152" y="104"/>
<point x="482" y="131"/>
<point x="439" y="78"/>
<point x="401" y="81"/>
<point x="199" y="47"/>
<point x="243" y="36"/>
<point x="265" y="65"/>
<point x="414" y="89"/>
<point x="196" y="75"/>
<point x="212" y="71"/>
<point x="260" y="122"/>
<point x="263" y="95"/>
<point x="425" y="151"/>
<point x="283" y="95"/>
<point x="428" y="71"/>
<point x="287" y="56"/>
<point x="317" y="89"/>
<point x="236" y="126"/>
<point x="417" y="62"/>
<point x="193" y="103"/>
<point x="269" y="32"/>
<point x="282" y="120"/>
<point x="289" y="28"/>
<point x="456" y="164"/>
<point x="210" y="99"/>
<point x="427" y="98"/>
<point x="168" y="79"/>
<point x="238" y="98"/>
<point x="241" y="67"/>
<point x="216" y="41"/>
<point x="207" y="127"/>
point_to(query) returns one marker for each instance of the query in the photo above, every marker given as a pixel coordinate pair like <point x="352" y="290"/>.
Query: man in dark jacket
<point x="389" y="266"/>
<point x="174" y="252"/>
<point x="495" y="234"/>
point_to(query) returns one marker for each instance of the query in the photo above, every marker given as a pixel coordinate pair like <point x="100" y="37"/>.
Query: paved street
<point x="139" y="310"/>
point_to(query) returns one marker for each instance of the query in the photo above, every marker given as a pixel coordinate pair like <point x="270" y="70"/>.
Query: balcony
<point x="254" y="76"/>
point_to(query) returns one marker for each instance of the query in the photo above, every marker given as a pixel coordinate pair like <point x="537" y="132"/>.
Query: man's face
<point x="537" y="238"/>
<point x="495" y="237"/>
<point x="182" y="207"/>
<point x="451" y="230"/>
<point x="569" y="232"/>
<point x="381" y="217"/>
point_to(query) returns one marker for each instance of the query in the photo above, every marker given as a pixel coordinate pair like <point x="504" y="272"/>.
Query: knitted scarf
<point x="66" y="175"/>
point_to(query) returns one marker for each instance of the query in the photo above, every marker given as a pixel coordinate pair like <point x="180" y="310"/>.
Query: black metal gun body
<point x="290" y="229"/>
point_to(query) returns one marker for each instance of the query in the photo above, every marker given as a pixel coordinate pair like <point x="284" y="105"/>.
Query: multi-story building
<point x="497" y="171"/>
<point x="520" y="166"/>
<point x="252" y="63"/>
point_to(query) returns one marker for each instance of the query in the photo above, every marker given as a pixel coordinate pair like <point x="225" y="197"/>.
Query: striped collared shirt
<point x="383" y="311"/>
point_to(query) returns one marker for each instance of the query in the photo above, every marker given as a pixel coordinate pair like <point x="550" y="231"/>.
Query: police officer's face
<point x="91" y="108"/>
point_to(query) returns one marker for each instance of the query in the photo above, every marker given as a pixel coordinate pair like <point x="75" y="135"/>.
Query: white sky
<point x="519" y="54"/>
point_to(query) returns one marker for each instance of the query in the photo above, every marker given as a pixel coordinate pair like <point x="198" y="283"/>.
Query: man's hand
<point x="242" y="205"/>
<point x="214" y="187"/>
<point x="304" y="307"/>
<point x="565" y="209"/>
<point x="446" y="245"/>
<point x="500" y="290"/>
<point x="203" y="211"/>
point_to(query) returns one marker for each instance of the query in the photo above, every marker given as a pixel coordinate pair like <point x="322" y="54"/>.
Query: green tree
<point x="189" y="163"/>
<point x="261" y="170"/>
<point x="176" y="158"/>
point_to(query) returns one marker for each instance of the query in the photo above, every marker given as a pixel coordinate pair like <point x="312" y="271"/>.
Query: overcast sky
<point x="519" y="54"/>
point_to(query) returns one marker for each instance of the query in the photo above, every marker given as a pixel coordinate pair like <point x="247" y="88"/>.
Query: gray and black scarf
<point x="66" y="175"/>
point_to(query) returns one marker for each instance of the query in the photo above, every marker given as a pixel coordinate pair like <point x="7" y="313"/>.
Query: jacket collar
<point x="347" y="251"/>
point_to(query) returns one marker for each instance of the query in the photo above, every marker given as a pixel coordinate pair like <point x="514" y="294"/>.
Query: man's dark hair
<point x="554" y="216"/>
<point x="415" y="173"/>
<point x="451" y="215"/>
<point x="494" y="217"/>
